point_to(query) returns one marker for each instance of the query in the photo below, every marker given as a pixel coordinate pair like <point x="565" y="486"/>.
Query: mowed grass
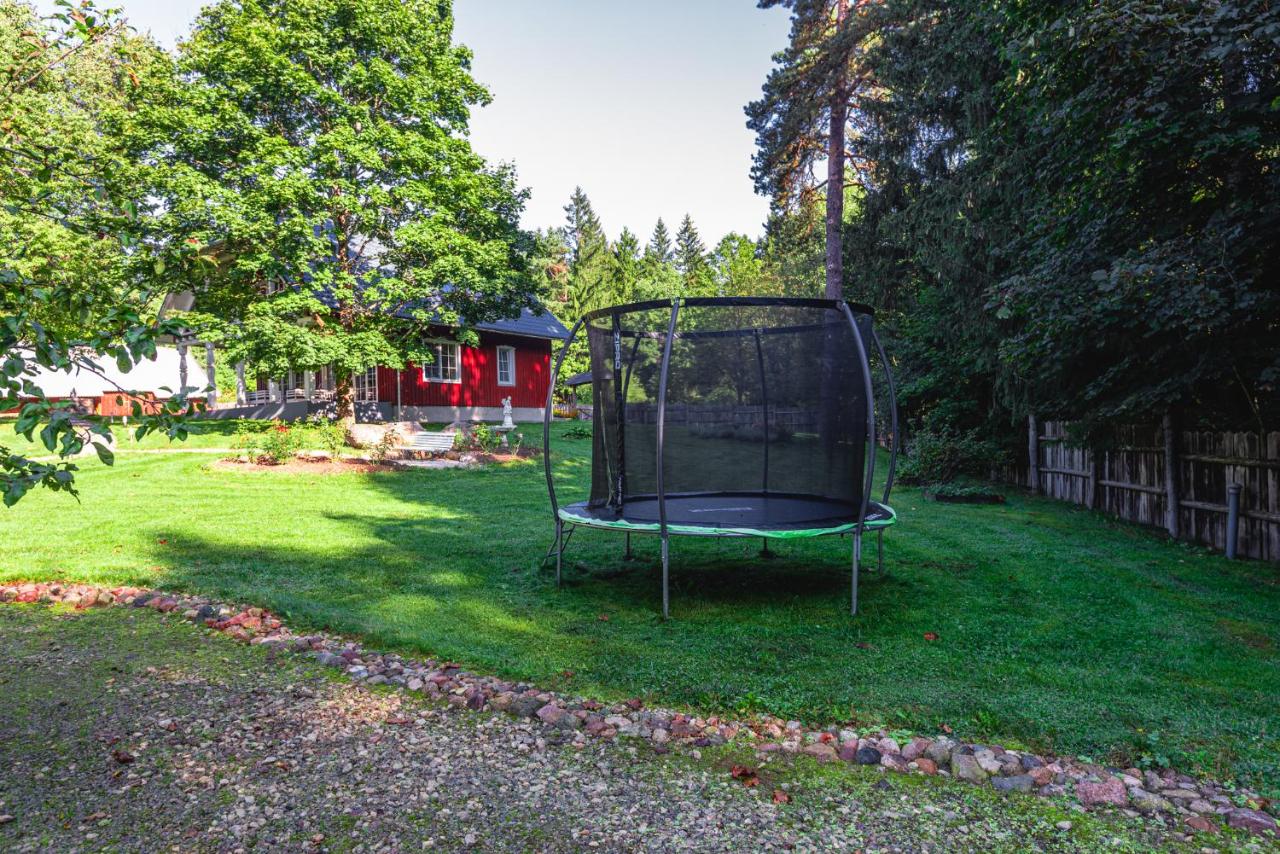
<point x="1055" y="627"/>
<point x="207" y="434"/>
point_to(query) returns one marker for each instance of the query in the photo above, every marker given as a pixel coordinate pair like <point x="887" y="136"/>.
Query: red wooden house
<point x="464" y="383"/>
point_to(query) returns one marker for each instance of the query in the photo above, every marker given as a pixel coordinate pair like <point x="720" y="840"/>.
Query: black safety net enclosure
<point x="730" y="417"/>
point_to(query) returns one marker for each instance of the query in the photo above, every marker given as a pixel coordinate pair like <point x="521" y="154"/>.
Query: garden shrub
<point x="382" y="448"/>
<point x="939" y="455"/>
<point x="278" y="444"/>
<point x="328" y="433"/>
<point x="248" y="438"/>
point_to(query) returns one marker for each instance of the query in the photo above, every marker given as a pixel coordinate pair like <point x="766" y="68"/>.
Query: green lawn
<point x="1056" y="627"/>
<point x="211" y="434"/>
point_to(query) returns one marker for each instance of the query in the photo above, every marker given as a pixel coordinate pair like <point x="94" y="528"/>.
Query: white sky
<point x="639" y="103"/>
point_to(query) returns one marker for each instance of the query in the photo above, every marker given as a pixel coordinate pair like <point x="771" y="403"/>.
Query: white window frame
<point x="364" y="385"/>
<point x="433" y="373"/>
<point x="511" y="381"/>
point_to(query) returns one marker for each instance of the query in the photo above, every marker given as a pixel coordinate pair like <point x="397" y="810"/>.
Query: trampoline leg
<point x="880" y="551"/>
<point x="627" y="555"/>
<point x="666" y="579"/>
<point x="559" y="549"/>
<point x="857" y="557"/>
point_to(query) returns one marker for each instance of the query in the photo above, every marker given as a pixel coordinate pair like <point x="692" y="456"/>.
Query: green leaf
<point x="104" y="453"/>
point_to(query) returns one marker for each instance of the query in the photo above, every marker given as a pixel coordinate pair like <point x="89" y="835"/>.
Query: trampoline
<point x="731" y="417"/>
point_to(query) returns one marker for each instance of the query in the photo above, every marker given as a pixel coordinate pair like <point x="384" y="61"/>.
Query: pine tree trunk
<point x="835" y="176"/>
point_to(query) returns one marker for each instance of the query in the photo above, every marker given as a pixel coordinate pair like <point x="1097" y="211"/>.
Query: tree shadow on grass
<point x="1036" y="632"/>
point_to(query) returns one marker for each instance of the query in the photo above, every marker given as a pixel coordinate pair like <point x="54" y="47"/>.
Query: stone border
<point x="1177" y="799"/>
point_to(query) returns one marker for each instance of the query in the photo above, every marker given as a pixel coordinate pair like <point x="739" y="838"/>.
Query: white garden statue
<point x="507" y="423"/>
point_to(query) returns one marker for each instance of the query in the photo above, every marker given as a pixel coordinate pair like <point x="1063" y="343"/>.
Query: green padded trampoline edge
<point x="654" y="527"/>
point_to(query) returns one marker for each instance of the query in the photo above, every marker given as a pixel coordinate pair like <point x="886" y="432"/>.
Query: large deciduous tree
<point x="73" y="263"/>
<point x="316" y="151"/>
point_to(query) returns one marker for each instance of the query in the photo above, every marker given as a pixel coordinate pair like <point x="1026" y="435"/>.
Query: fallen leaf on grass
<point x="124" y="757"/>
<point x="604" y="618"/>
<point x="931" y="636"/>
<point x="399" y="720"/>
<point x="945" y="728"/>
<point x="781" y="797"/>
<point x="746" y="774"/>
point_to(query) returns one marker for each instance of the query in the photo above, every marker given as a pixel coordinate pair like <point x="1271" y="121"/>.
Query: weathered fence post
<point x="1033" y="453"/>
<point x="1233" y="519"/>
<point x="1094" y="488"/>
<point x="1171" y="467"/>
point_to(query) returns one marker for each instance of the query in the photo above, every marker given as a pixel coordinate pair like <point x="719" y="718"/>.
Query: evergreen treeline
<point x="585" y="270"/>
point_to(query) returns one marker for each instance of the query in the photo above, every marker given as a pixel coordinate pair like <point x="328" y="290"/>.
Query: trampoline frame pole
<point x="546" y="418"/>
<point x="559" y="549"/>
<point x="857" y="558"/>
<point x="865" y="364"/>
<point x="664" y="369"/>
<point x="627" y="554"/>
<point x="546" y="446"/>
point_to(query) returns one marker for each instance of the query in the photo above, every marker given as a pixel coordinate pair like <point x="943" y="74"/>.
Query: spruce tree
<point x="691" y="259"/>
<point x="691" y="254"/>
<point x="589" y="258"/>
<point x="659" y="248"/>
<point x="626" y="265"/>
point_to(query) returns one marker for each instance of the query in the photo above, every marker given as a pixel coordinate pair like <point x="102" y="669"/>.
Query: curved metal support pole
<point x="865" y="364"/>
<point x="627" y="554"/>
<point x="893" y="417"/>
<point x="546" y="428"/>
<point x="880" y="551"/>
<point x="661" y="437"/>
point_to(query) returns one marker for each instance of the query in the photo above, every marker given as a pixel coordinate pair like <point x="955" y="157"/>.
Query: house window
<point x="366" y="384"/>
<point x="506" y="366"/>
<point x="447" y="366"/>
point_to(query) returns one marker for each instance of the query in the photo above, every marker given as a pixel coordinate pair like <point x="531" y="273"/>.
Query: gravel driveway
<point x="123" y="730"/>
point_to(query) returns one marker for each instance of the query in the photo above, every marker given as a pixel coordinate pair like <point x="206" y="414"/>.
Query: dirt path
<point x="124" y="730"/>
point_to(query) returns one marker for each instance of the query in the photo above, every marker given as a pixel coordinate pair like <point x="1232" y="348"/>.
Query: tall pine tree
<point x="800" y="118"/>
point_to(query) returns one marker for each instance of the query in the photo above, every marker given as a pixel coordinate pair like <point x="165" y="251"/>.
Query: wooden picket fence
<point x="1134" y="481"/>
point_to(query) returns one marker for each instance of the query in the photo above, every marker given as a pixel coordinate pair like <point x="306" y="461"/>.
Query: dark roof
<point x="579" y="379"/>
<point x="528" y="324"/>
